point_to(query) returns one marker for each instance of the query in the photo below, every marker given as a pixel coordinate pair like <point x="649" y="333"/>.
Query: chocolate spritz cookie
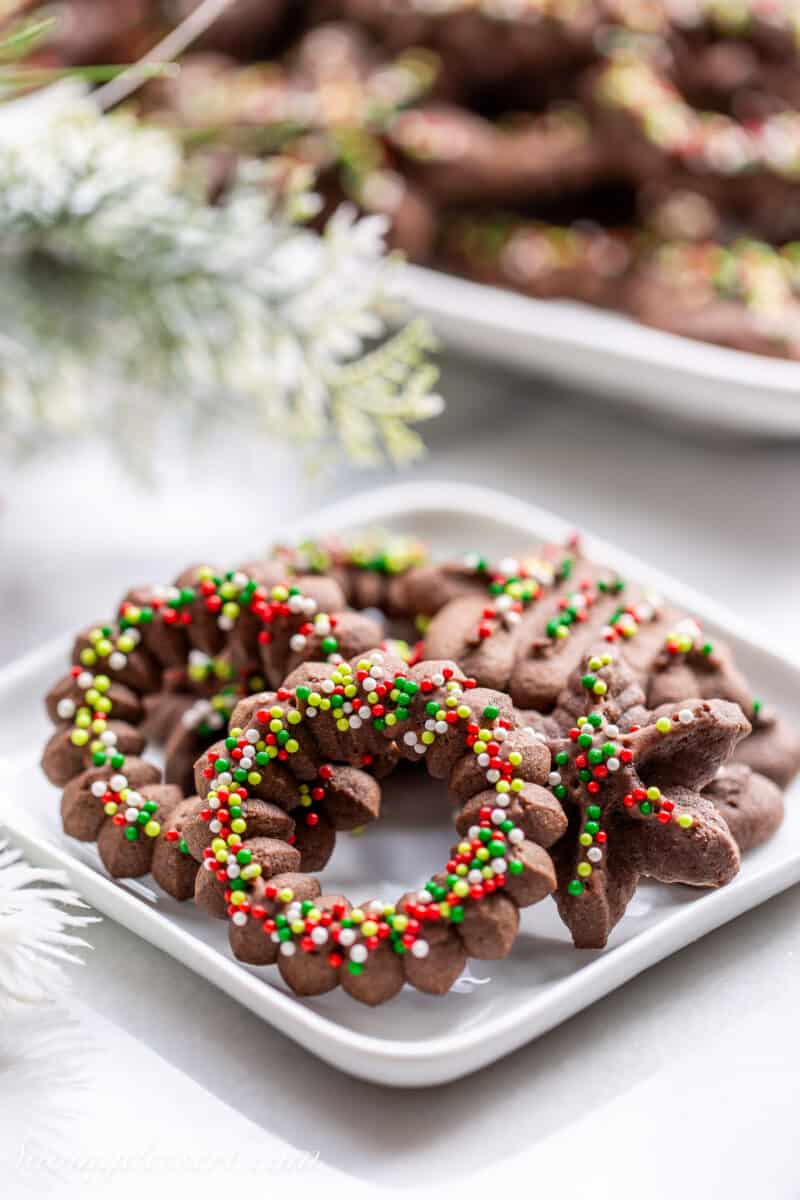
<point x="525" y="623"/>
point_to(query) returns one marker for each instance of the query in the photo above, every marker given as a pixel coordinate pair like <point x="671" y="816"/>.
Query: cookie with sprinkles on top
<point x="631" y="780"/>
<point x="468" y="735"/>
<point x="524" y="624"/>
<point x="188" y="634"/>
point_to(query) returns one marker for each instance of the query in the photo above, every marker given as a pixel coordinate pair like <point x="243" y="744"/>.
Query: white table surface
<point x="684" y="1082"/>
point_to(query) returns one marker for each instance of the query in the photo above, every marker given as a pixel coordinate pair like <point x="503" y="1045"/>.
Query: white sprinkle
<point x="288" y="949"/>
<point x="358" y="954"/>
<point x="66" y="708"/>
<point x="420" y="948"/>
<point x="594" y="854"/>
<point x="686" y="716"/>
<point x="239" y="918"/>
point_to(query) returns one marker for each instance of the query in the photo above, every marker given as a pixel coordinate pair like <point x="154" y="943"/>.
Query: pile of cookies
<point x="587" y="732"/>
<point x="639" y="156"/>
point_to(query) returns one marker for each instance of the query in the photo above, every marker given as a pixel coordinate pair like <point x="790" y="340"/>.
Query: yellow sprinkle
<point x="584" y="869"/>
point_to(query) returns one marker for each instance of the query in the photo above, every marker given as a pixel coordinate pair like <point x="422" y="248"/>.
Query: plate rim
<point x="596" y="347"/>
<point x="555" y="318"/>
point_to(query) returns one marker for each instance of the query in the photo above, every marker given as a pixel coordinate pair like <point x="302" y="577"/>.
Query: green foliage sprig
<point x="126" y="294"/>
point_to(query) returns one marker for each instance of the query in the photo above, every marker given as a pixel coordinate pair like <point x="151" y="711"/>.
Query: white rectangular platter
<point x="611" y="354"/>
<point x="415" y="1039"/>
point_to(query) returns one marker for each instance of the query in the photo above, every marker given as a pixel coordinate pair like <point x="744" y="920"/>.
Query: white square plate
<point x="610" y="353"/>
<point x="415" y="1039"/>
